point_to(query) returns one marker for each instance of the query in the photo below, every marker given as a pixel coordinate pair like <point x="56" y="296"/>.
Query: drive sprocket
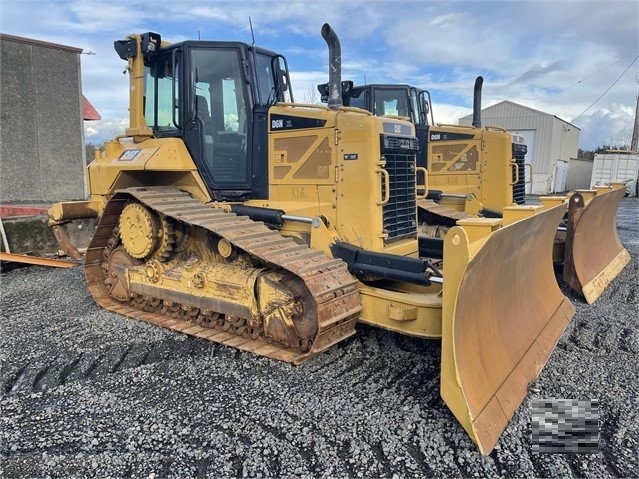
<point x="138" y="230"/>
<point x="165" y="239"/>
<point x="145" y="234"/>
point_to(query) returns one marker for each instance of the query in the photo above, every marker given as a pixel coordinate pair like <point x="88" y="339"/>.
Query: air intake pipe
<point x="334" y="67"/>
<point x="479" y="81"/>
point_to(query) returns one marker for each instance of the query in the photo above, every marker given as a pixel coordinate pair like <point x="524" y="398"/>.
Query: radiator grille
<point x="519" y="188"/>
<point x="400" y="213"/>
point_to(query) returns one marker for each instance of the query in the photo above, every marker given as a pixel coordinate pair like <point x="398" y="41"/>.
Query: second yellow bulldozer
<point x="478" y="170"/>
<point x="229" y="212"/>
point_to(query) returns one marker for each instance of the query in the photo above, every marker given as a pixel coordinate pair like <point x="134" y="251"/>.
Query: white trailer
<point x="617" y="166"/>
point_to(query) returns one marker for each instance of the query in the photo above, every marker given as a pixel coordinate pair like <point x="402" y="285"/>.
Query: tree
<point x="311" y="96"/>
<point x="606" y="148"/>
<point x="585" y="154"/>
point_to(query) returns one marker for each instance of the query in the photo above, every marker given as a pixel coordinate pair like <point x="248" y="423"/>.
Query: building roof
<point x="517" y="105"/>
<point x="39" y="43"/>
<point x="88" y="111"/>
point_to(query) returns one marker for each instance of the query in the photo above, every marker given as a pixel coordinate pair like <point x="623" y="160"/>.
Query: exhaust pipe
<point x="334" y="67"/>
<point x="479" y="81"/>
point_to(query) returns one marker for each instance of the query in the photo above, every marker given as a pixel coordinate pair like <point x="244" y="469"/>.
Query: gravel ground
<point x="89" y="393"/>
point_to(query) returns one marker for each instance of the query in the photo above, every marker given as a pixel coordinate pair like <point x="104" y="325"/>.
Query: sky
<point x="573" y="59"/>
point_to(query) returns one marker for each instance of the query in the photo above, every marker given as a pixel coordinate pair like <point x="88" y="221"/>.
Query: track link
<point x="328" y="280"/>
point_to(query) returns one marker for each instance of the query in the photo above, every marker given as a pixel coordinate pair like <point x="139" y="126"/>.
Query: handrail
<point x="529" y="165"/>
<point x="515" y="168"/>
<point x="470" y="127"/>
<point x="386" y="177"/>
<point x="424" y="186"/>
<point x="318" y="106"/>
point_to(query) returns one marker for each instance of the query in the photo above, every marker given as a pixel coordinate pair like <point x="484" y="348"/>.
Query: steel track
<point x="328" y="280"/>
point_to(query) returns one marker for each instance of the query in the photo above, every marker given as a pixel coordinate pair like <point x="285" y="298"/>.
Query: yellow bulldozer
<point x="477" y="171"/>
<point x="231" y="213"/>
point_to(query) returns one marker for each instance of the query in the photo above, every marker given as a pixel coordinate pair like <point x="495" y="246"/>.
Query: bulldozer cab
<point x="385" y="100"/>
<point x="215" y="96"/>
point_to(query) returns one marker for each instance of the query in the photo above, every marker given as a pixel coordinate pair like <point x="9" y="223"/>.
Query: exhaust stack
<point x="334" y="67"/>
<point x="479" y="81"/>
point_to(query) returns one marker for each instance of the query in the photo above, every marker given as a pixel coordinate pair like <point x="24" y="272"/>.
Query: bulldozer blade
<point x="593" y="254"/>
<point x="502" y="315"/>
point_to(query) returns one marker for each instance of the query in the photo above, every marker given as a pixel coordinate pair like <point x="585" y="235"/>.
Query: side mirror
<point x="283" y="82"/>
<point x="282" y="79"/>
<point x="425" y="106"/>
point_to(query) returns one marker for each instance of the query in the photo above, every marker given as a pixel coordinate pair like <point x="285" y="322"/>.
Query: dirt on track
<point x="84" y="392"/>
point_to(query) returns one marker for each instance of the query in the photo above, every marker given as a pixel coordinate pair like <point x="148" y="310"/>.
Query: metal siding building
<point x="579" y="173"/>
<point x="552" y="142"/>
<point x="42" y="151"/>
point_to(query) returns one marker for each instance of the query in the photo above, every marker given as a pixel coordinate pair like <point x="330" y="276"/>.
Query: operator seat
<point x="203" y="113"/>
<point x="208" y="127"/>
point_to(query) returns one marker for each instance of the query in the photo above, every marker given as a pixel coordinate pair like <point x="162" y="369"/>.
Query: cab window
<point x="160" y="97"/>
<point x="391" y="102"/>
<point x="358" y="99"/>
<point x="220" y="110"/>
<point x="265" y="79"/>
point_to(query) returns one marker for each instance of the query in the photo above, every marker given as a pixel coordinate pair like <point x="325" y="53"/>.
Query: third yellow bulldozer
<point x="229" y="212"/>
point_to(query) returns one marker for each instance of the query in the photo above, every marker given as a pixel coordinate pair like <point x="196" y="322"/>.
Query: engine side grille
<point x="400" y="213"/>
<point x="519" y="188"/>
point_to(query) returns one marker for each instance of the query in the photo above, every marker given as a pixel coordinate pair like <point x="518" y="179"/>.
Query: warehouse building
<point x="552" y="142"/>
<point x="42" y="127"/>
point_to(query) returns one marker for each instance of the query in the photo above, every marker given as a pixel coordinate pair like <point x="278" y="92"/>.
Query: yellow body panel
<point x="416" y="313"/>
<point x="479" y="166"/>
<point x="328" y="171"/>
<point x="124" y="164"/>
<point x="153" y="162"/>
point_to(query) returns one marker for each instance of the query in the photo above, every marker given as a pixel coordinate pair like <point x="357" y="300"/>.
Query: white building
<point x="552" y="142"/>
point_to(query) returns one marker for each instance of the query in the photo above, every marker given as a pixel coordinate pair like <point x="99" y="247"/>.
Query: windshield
<point x="391" y="102"/>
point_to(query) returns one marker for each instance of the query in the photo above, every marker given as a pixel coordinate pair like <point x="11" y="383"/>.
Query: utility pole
<point x="635" y="131"/>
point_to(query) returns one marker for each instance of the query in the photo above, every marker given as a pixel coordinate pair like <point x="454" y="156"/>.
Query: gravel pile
<point x="88" y="393"/>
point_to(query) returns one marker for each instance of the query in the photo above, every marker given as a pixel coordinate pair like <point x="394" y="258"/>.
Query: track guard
<point x="593" y="256"/>
<point x="503" y="313"/>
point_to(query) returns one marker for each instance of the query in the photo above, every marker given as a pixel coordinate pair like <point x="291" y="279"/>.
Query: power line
<point x="609" y="88"/>
<point x="591" y="75"/>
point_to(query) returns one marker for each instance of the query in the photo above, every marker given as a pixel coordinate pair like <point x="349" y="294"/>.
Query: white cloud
<point x="529" y="51"/>
<point x="305" y="85"/>
<point x="607" y="127"/>
<point x="90" y="131"/>
<point x="103" y="130"/>
<point x="449" y="114"/>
